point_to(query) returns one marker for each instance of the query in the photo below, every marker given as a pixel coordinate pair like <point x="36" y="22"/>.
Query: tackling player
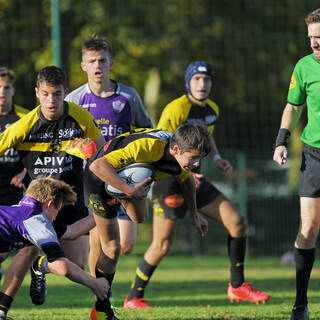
<point x="30" y="223"/>
<point x="169" y="201"/>
<point x="170" y="155"/>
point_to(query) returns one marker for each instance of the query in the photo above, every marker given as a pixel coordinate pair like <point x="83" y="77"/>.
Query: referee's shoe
<point x="38" y="287"/>
<point x="300" y="313"/>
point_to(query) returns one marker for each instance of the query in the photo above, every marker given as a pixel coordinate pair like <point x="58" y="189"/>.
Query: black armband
<point x="282" y="138"/>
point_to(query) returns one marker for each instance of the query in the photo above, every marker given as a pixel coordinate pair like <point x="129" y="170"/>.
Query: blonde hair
<point x="45" y="188"/>
<point x="313" y="17"/>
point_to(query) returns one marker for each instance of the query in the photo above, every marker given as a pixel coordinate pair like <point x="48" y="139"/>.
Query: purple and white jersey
<point x="116" y="114"/>
<point x="26" y="224"/>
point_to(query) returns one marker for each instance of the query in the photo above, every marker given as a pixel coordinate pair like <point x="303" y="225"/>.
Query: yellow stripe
<point x="41" y="146"/>
<point x="141" y="275"/>
<point x="4" y="306"/>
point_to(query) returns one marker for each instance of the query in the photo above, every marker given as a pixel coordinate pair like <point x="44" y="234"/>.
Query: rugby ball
<point x="131" y="175"/>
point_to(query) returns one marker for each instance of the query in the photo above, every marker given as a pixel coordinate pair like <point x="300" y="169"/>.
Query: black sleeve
<point x="53" y="252"/>
<point x="59" y="228"/>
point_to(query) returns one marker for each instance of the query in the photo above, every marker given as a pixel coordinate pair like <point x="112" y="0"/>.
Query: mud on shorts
<point x="168" y="201"/>
<point x="310" y="173"/>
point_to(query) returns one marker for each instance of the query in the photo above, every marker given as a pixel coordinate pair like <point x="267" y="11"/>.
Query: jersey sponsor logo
<point x="118" y="105"/>
<point x="174" y="201"/>
<point x="41" y="135"/>
<point x="53" y="165"/>
<point x="293" y="82"/>
<point x="111" y="130"/>
<point x="89" y="105"/>
<point x="162" y="135"/>
<point x="10" y="155"/>
<point x="69" y="132"/>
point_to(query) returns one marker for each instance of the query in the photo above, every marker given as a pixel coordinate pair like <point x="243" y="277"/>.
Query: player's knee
<point x="309" y="231"/>
<point x="126" y="248"/>
<point x="165" y="247"/>
<point x="112" y="250"/>
<point x="239" y="228"/>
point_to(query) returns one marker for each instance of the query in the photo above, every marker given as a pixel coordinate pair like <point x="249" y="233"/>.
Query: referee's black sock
<point x="143" y="275"/>
<point x="104" y="305"/>
<point x="5" y="302"/>
<point x="236" y="250"/>
<point x="304" y="259"/>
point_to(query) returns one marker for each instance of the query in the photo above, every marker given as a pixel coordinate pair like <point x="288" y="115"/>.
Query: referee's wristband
<point x="216" y="157"/>
<point x="282" y="138"/>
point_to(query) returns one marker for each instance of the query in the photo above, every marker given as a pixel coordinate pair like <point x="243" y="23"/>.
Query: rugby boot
<point x="38" y="287"/>
<point x="101" y="315"/>
<point x="246" y="293"/>
<point x="300" y="313"/>
<point x="136" y="303"/>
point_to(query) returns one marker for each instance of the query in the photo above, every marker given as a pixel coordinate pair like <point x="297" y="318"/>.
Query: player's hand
<point x="225" y="166"/>
<point x="280" y="155"/>
<point x="197" y="178"/>
<point x="101" y="288"/>
<point x="140" y="190"/>
<point x="17" y="179"/>
<point x="200" y="223"/>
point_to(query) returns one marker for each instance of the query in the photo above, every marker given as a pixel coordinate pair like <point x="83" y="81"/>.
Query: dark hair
<point x="97" y="44"/>
<point x="52" y="75"/>
<point x="7" y="73"/>
<point x="192" y="136"/>
<point x="313" y="17"/>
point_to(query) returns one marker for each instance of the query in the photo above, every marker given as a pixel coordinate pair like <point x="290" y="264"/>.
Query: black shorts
<point x="168" y="202"/>
<point x="71" y="214"/>
<point x="310" y="173"/>
<point x="96" y="197"/>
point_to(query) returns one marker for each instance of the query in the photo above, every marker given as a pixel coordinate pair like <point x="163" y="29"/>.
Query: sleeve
<point x="297" y="91"/>
<point x="173" y="115"/>
<point x="41" y="233"/>
<point x="141" y="150"/>
<point x="140" y="118"/>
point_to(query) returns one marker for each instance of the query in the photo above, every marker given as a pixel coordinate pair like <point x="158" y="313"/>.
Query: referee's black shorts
<point x="168" y="201"/>
<point x="310" y="173"/>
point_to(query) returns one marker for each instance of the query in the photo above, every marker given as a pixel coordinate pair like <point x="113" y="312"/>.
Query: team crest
<point x="293" y="82"/>
<point x="118" y="105"/>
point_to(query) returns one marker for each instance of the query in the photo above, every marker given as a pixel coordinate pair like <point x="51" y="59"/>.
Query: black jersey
<point x="10" y="163"/>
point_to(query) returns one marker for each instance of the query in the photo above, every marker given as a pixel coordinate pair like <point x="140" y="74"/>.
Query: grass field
<point x="189" y="288"/>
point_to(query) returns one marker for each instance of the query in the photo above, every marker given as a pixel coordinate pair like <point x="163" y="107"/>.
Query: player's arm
<point x="290" y="117"/>
<point x="102" y="168"/>
<point x="188" y="189"/>
<point x="78" y="228"/>
<point x="64" y="267"/>
<point x="18" y="178"/>
<point x="222" y="164"/>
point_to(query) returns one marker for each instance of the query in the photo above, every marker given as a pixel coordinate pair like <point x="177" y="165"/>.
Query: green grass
<point x="182" y="288"/>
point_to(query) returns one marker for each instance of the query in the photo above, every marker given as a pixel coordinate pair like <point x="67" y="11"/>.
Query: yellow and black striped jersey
<point x="41" y="143"/>
<point x="181" y="110"/>
<point x="143" y="145"/>
<point x="10" y="163"/>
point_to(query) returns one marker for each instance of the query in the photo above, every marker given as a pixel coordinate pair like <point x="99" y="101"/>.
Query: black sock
<point x="104" y="305"/>
<point x="5" y="302"/>
<point x="143" y="275"/>
<point x="304" y="259"/>
<point x="236" y="250"/>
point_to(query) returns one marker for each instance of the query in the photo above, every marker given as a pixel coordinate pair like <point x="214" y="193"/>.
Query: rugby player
<point x="170" y="155"/>
<point x="41" y="138"/>
<point x="30" y="223"/>
<point x="169" y="202"/>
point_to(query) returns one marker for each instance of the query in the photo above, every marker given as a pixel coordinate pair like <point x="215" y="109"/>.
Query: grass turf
<point x="189" y="288"/>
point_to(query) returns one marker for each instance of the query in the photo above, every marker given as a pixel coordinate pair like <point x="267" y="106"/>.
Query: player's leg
<point x="305" y="252"/>
<point x="77" y="250"/>
<point x="108" y="231"/>
<point x="95" y="250"/>
<point x="309" y="192"/>
<point x="136" y="209"/>
<point x="168" y="204"/>
<point x="15" y="274"/>
<point x="213" y="204"/>
<point x="128" y="232"/>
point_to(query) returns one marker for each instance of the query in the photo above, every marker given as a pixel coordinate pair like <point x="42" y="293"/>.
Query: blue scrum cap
<point x="197" y="67"/>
